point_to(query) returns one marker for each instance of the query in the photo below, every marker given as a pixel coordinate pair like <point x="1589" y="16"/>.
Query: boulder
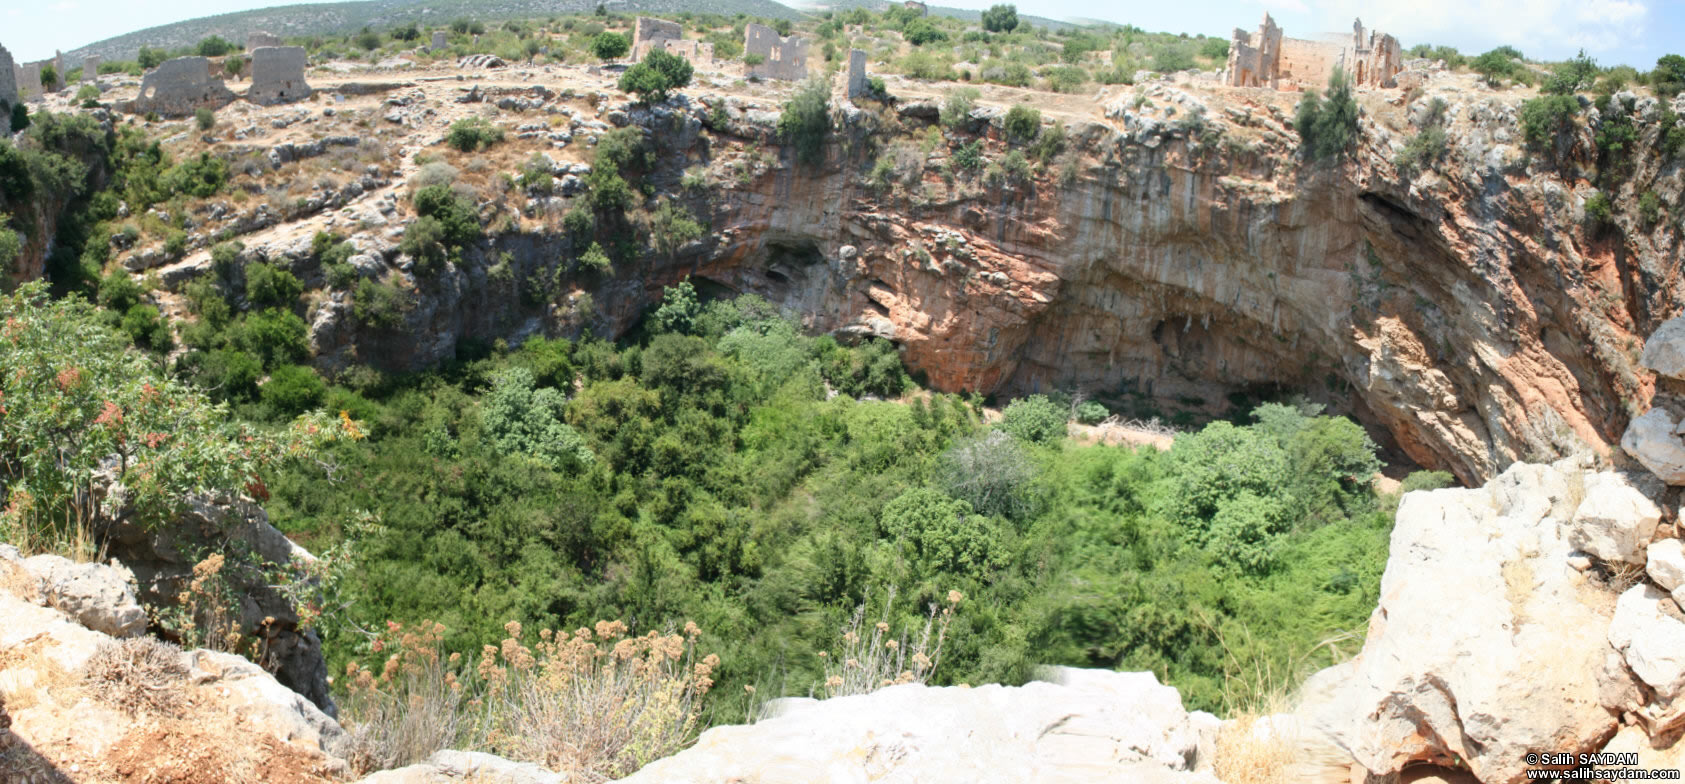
<point x="1665" y="563"/>
<point x="1616" y="521"/>
<point x="99" y="596"/>
<point x="1078" y="725"/>
<point x="449" y="767"/>
<point x="1664" y="351"/>
<point x="1651" y="638"/>
<point x="1486" y="643"/>
<point x="258" y="699"/>
<point x="1652" y="441"/>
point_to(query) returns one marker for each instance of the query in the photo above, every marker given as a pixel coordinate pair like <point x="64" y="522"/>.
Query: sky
<point x="1633" y="32"/>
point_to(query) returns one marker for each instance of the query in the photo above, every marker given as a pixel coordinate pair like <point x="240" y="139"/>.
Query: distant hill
<point x="339" y="18"/>
<point x="968" y="15"/>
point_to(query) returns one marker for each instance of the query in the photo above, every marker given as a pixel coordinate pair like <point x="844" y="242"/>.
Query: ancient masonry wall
<point x="1267" y="59"/>
<point x="856" y="73"/>
<point x="258" y="39"/>
<point x="440" y="41"/>
<point x="90" y="67"/>
<point x="650" y="34"/>
<point x="8" y="90"/>
<point x="278" y="75"/>
<point x="29" y="82"/>
<point x="785" y="58"/>
<point x="179" y="87"/>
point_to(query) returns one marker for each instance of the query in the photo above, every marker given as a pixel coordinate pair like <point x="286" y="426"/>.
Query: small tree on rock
<point x="657" y="74"/>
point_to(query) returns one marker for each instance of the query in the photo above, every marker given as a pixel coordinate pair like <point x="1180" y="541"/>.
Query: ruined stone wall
<point x="8" y="83"/>
<point x="90" y="67"/>
<point x="1253" y="58"/>
<point x="440" y="41"/>
<point x="856" y="73"/>
<point x="29" y="82"/>
<point x="258" y="39"/>
<point x="278" y="75"/>
<point x="786" y="58"/>
<point x="1306" y="64"/>
<point x="915" y="5"/>
<point x="649" y="33"/>
<point x="180" y="86"/>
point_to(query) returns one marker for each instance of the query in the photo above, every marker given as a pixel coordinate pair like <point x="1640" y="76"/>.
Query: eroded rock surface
<point x="1088" y="725"/>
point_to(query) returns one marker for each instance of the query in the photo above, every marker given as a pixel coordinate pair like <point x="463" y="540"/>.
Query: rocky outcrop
<point x="163" y="562"/>
<point x="456" y="767"/>
<point x="87" y="706"/>
<point x="100" y="597"/>
<point x="1081" y="725"/>
<point x="1487" y="642"/>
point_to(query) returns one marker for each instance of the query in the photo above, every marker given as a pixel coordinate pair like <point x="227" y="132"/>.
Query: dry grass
<point x="595" y="705"/>
<point x="872" y="658"/>
<point x="139" y="675"/>
<point x="1279" y="750"/>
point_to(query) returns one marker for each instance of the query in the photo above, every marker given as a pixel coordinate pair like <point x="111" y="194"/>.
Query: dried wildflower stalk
<point x="872" y="659"/>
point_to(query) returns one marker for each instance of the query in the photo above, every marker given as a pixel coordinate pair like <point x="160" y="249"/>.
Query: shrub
<point x="225" y="256"/>
<point x="624" y="150"/>
<point x="1649" y="208"/>
<point x="11" y="245"/>
<point x="205" y="118"/>
<point x="1422" y="151"/>
<point x="579" y="223"/>
<point x="1668" y="79"/>
<point x="535" y="176"/>
<point x="1544" y="117"/>
<point x="201" y="177"/>
<point x="1572" y="76"/>
<point x="525" y="421"/>
<point x="471" y="134"/>
<point x="922" y="31"/>
<point x="969" y="157"/>
<point x="993" y="474"/>
<point x="276" y="337"/>
<point x="270" y="286"/>
<point x="595" y="259"/>
<point x="1327" y="126"/>
<point x="87" y="93"/>
<point x="20" y="117"/>
<point x="339" y="276"/>
<point x="214" y="46"/>
<point x="671" y="228"/>
<point x="380" y="305"/>
<point x="147" y="328"/>
<point x="1035" y="419"/>
<point x="1091" y="412"/>
<point x="1023" y="123"/>
<point x="1600" y="211"/>
<point x="458" y="217"/>
<point x="654" y="76"/>
<point x="1067" y="79"/>
<point x="1495" y="66"/>
<point x="870" y="658"/>
<point x="293" y="390"/>
<point x="1215" y="49"/>
<point x="434" y="173"/>
<point x="806" y="121"/>
<point x="424" y="241"/>
<point x="956" y="110"/>
<point x="1426" y="480"/>
<point x="118" y="291"/>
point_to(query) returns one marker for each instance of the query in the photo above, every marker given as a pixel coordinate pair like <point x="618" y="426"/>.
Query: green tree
<point x="806" y="121"/>
<point x="1494" y="66"/>
<point x="457" y="215"/>
<point x="1001" y="18"/>
<point x="150" y="58"/>
<point x="1023" y="123"/>
<point x="1327" y="125"/>
<point x="1572" y="76"/>
<point x="523" y="420"/>
<point x="943" y="534"/>
<point x="471" y="134"/>
<point x="271" y="286"/>
<point x="1668" y="79"/>
<point x="213" y="46"/>
<point x="659" y="73"/>
<point x="678" y="311"/>
<point x="610" y="46"/>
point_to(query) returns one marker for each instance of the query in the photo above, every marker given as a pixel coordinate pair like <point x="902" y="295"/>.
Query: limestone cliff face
<point x="1188" y="261"/>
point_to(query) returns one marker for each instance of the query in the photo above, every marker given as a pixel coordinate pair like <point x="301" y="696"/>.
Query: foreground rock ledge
<point x="1082" y="726"/>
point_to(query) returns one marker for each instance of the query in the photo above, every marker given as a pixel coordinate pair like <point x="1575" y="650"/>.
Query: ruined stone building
<point x="1266" y="58"/>
<point x="650" y="34"/>
<point x="278" y="75"/>
<point x="915" y="5"/>
<point x="90" y="67"/>
<point x="179" y="87"/>
<point x="29" y="82"/>
<point x="784" y="58"/>
<point x="440" y="41"/>
<point x="856" y="73"/>
<point x="8" y="90"/>
<point x="257" y="39"/>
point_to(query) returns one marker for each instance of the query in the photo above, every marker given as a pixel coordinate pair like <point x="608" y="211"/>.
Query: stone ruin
<point x="90" y="67"/>
<point x="29" y="82"/>
<point x="915" y="5"/>
<point x="181" y="86"/>
<point x="650" y="34"/>
<point x="785" y="58"/>
<point x="1268" y="59"/>
<point x="8" y="90"/>
<point x="278" y="75"/>
<point x="856" y="73"/>
<point x="258" y="39"/>
<point x="440" y="42"/>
